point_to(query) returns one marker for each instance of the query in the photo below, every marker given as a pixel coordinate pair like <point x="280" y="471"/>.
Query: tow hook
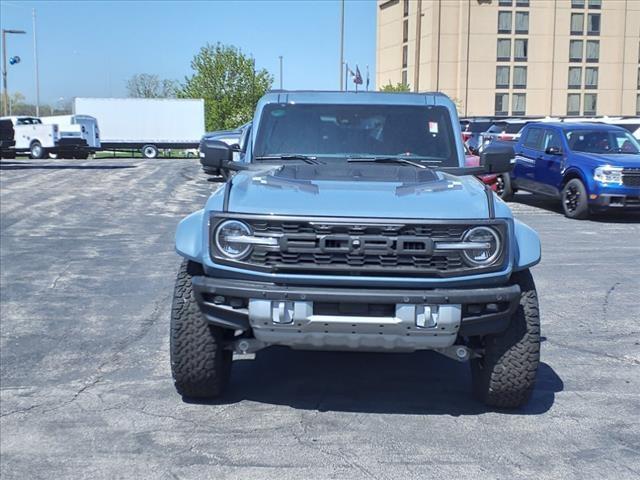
<point x="458" y="352"/>
<point x="247" y="345"/>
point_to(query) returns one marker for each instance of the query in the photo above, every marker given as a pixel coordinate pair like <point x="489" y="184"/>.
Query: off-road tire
<point x="580" y="209"/>
<point x="505" y="375"/>
<point x="507" y="191"/>
<point x="199" y="363"/>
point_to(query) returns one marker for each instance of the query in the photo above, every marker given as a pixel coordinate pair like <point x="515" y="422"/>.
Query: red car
<point x="490" y="179"/>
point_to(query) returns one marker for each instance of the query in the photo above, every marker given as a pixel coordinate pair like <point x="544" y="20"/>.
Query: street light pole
<point x="35" y="59"/>
<point x="341" y="43"/>
<point x="5" y="95"/>
<point x="280" y="57"/>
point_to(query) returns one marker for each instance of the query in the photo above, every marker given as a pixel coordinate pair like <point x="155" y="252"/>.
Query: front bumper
<point x="352" y="317"/>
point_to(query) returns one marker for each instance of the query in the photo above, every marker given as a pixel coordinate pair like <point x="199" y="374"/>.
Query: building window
<point x="405" y="31"/>
<point x="505" y="3"/>
<point x="502" y="104"/>
<point x="405" y="55"/>
<point x="406" y="8"/>
<point x="522" y="22"/>
<point x="577" y="23"/>
<point x="573" y="104"/>
<point x="575" y="51"/>
<point x="593" y="24"/>
<point x="504" y="49"/>
<point x="404" y="77"/>
<point x="593" y="51"/>
<point x="638" y="104"/>
<point x="577" y="3"/>
<point x="595" y="4"/>
<point x="575" y="77"/>
<point x="638" y="78"/>
<point x="502" y="77"/>
<point x="519" y="77"/>
<point x="590" y="103"/>
<point x="504" y="22"/>
<point x="522" y="3"/>
<point x="519" y="105"/>
<point x="520" y="49"/>
<point x="591" y="77"/>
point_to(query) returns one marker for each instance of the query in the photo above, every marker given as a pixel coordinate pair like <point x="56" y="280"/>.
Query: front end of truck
<point x="388" y="258"/>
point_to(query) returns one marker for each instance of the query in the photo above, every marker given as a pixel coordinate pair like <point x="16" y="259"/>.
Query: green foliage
<point x="146" y="85"/>
<point x="227" y="80"/>
<point x="398" y="87"/>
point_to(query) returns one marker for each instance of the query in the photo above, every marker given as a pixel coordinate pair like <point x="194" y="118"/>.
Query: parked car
<point x="38" y="140"/>
<point x="505" y="130"/>
<point x="472" y="130"/>
<point x="352" y="224"/>
<point x="587" y="166"/>
<point x="7" y="139"/>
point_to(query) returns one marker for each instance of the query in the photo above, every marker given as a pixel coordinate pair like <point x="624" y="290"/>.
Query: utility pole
<point x="280" y="57"/>
<point x="35" y="60"/>
<point x="5" y="95"/>
<point x="341" y="42"/>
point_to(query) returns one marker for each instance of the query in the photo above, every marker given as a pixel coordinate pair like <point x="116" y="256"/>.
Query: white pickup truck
<point x="38" y="140"/>
<point x="84" y="127"/>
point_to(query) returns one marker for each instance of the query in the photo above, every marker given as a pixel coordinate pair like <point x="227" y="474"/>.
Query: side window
<point x="552" y="139"/>
<point x="533" y="138"/>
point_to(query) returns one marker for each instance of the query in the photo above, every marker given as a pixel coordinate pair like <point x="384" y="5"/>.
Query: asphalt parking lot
<point x="87" y="271"/>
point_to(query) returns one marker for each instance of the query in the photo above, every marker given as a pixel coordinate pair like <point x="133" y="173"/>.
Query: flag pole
<point x="346" y="77"/>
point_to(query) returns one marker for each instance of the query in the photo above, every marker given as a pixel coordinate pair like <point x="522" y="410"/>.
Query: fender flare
<point x="189" y="236"/>
<point x="528" y="247"/>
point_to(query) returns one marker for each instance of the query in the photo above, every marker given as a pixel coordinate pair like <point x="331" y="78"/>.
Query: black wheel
<point x="505" y="375"/>
<point x="199" y="363"/>
<point x="149" y="151"/>
<point x="81" y="155"/>
<point x="574" y="199"/>
<point x="503" y="187"/>
<point x="36" y="151"/>
<point x="8" y="155"/>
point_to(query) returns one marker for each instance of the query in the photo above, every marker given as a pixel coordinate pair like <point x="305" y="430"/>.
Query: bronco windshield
<point x="422" y="133"/>
<point x="602" y="141"/>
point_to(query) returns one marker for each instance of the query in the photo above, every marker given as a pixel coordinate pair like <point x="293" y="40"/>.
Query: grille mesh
<point x="302" y="255"/>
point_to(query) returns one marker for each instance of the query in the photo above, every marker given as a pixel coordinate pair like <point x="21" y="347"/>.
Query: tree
<point x="228" y="81"/>
<point x="146" y="85"/>
<point x="398" y="87"/>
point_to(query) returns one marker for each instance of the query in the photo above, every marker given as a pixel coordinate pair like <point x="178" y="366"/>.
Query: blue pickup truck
<point x="589" y="167"/>
<point x="350" y="222"/>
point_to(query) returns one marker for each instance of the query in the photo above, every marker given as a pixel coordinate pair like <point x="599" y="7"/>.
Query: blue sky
<point x="91" y="48"/>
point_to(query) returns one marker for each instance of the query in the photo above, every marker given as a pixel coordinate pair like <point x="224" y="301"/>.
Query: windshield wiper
<point x="389" y="159"/>
<point x="291" y="156"/>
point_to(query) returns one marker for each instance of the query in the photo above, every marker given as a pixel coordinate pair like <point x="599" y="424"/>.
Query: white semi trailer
<point x="145" y="124"/>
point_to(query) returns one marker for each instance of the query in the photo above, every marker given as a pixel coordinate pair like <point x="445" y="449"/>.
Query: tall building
<point x="515" y="57"/>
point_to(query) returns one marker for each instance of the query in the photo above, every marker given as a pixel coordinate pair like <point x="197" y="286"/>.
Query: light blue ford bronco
<point x="350" y="223"/>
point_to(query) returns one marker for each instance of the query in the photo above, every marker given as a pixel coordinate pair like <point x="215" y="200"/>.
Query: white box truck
<point x="145" y="124"/>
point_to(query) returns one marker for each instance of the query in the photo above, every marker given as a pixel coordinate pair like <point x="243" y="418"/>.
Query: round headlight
<point x="488" y="253"/>
<point x="224" y="239"/>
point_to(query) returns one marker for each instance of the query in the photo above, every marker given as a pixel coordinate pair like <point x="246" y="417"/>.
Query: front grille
<point x="393" y="248"/>
<point x="631" y="177"/>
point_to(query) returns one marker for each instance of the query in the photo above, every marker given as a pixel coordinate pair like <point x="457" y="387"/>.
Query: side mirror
<point x="497" y="157"/>
<point x="553" y="151"/>
<point x="213" y="155"/>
